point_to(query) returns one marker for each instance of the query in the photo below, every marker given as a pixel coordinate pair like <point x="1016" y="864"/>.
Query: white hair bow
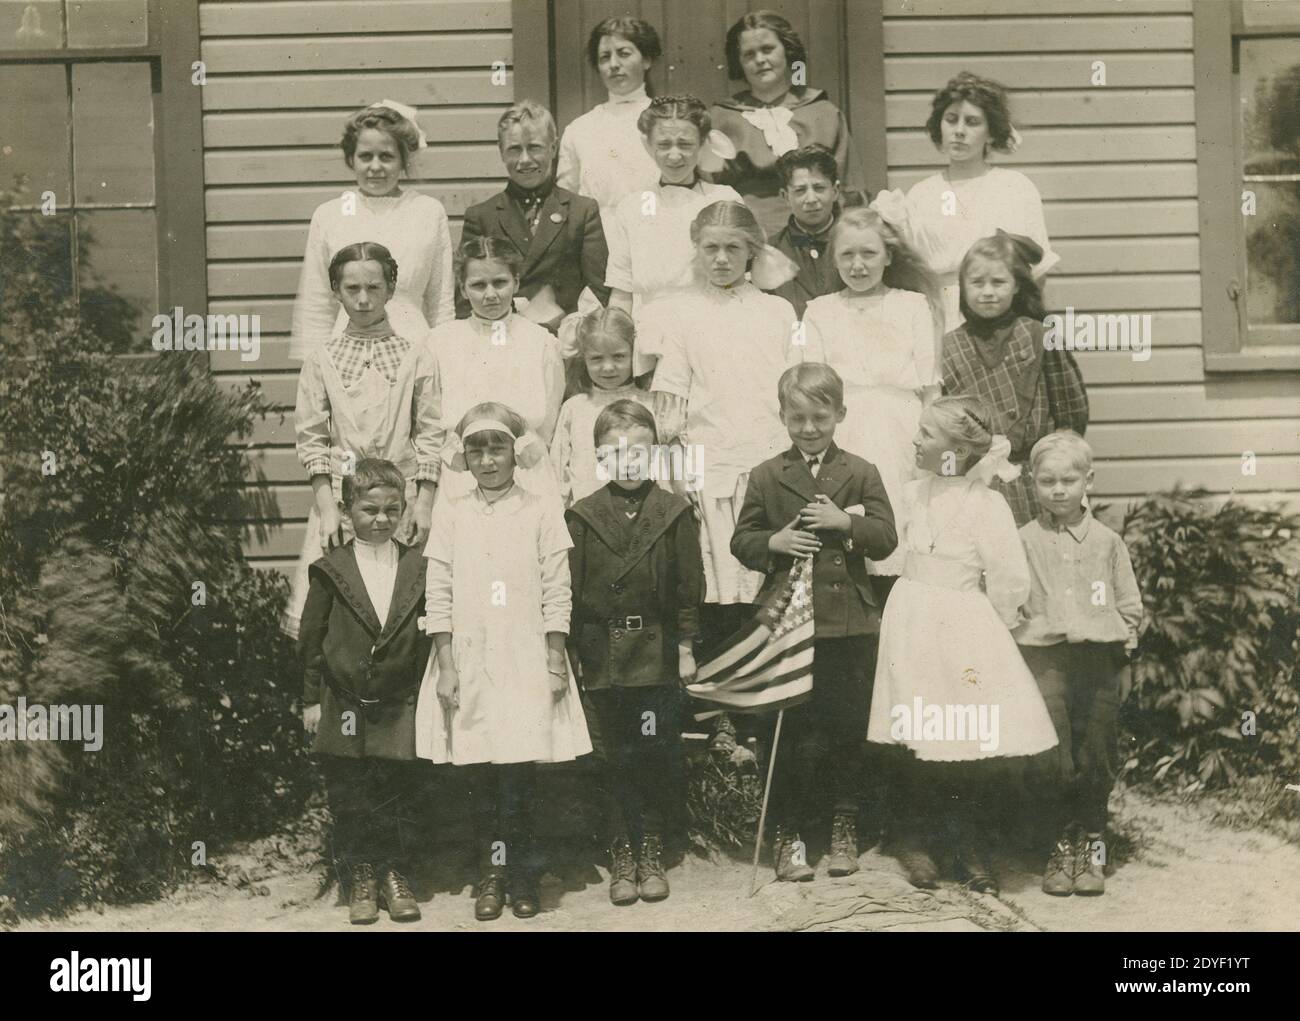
<point x="996" y="463"/>
<point x="409" y="113"/>
<point x="528" y="449"/>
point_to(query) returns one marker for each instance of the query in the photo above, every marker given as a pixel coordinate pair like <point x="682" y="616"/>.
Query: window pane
<point x="35" y="272"/>
<point x="1273" y="254"/>
<point x="118" y="252"/>
<point x="1271" y="12"/>
<point x="107" y="23"/>
<point x="32" y="26"/>
<point x="1270" y="105"/>
<point x="34" y="129"/>
<point x="112" y="132"/>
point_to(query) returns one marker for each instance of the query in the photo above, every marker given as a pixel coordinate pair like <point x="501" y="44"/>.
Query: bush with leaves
<point x="1215" y="685"/>
<point x="122" y="584"/>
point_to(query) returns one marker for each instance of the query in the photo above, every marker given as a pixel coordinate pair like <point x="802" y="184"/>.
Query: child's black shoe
<point x="791" y="858"/>
<point x="974" y="868"/>
<point x="917" y="863"/>
<point x="622" y="873"/>
<point x="843" y="859"/>
<point x="1058" y="876"/>
<point x="1089" y="872"/>
<point x="363" y="908"/>
<point x="651" y="880"/>
<point x="491" y="897"/>
<point x="397" y="896"/>
<point x="525" y="900"/>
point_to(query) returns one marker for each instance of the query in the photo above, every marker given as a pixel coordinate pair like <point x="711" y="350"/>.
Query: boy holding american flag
<point x="824" y="504"/>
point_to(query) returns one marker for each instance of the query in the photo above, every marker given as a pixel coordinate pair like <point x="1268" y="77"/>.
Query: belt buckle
<point x="633" y="623"/>
<point x="367" y="701"/>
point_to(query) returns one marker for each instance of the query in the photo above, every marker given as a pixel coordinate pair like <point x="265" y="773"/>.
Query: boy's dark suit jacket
<point x="843" y="601"/>
<point x="569" y="253"/>
<point x="816" y="276"/>
<point x="652" y="570"/>
<point x="348" y="655"/>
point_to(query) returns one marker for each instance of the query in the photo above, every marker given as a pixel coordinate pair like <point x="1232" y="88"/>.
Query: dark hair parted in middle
<point x="640" y="34"/>
<point x="488" y="246"/>
<point x="782" y="29"/>
<point x="809" y="157"/>
<point x="675" y="108"/>
<point x="988" y="95"/>
<point x="363" y="251"/>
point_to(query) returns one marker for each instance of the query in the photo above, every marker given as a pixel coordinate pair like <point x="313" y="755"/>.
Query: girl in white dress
<point x="725" y="344"/>
<point x="497" y="355"/>
<point x="950" y="682"/>
<point x="606" y="343"/>
<point x="601" y="154"/>
<point x="367" y="392"/>
<point x="378" y="143"/>
<point x="943" y="215"/>
<point x="880" y="333"/>
<point x="649" y="233"/>
<point x="497" y="692"/>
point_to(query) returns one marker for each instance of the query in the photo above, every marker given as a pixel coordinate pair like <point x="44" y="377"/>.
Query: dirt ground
<point x="1179" y="870"/>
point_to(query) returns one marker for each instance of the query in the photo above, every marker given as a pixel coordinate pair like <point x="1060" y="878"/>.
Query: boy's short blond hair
<point x="813" y="381"/>
<point x="1063" y="441"/>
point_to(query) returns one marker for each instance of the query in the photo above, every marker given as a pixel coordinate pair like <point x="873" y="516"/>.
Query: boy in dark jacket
<point x="637" y="585"/>
<point x="363" y="659"/>
<point x="795" y="506"/>
<point x="811" y="188"/>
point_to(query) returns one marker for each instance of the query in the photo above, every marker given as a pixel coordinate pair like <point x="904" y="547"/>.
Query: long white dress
<point x="602" y="154"/>
<point x="945" y="637"/>
<point x="944" y="218"/>
<point x="512" y="361"/>
<point x="413" y="227"/>
<point x="498" y="581"/>
<point x="650" y="250"/>
<point x="883" y="348"/>
<point x="724" y="350"/>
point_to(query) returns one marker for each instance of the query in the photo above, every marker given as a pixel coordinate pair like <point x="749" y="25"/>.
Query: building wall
<point x="281" y="78"/>
<point x="1116" y="166"/>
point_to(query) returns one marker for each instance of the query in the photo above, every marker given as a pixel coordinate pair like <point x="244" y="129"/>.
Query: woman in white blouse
<point x="378" y="142"/>
<point x="601" y="154"/>
<point x="947" y="212"/>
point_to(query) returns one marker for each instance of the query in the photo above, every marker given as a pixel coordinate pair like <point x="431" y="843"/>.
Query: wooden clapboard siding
<point x="281" y="79"/>
<point x="1116" y="166"/>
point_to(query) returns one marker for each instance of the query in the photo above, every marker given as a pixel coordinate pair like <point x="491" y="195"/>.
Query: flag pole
<point x="762" y="815"/>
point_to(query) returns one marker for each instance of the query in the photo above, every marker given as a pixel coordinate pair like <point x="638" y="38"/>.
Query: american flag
<point x="767" y="665"/>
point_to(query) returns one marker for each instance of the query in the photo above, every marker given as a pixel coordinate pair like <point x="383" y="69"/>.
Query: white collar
<point x="636" y="96"/>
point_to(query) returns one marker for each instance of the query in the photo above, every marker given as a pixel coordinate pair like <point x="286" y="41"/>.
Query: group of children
<point x="509" y="582"/>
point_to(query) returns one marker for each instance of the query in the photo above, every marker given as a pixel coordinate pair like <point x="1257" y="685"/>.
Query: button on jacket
<point x="650" y="569"/>
<point x="844" y="602"/>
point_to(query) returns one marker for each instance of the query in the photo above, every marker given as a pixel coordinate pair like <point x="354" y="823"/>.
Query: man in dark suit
<point x="817" y="501"/>
<point x="558" y="232"/>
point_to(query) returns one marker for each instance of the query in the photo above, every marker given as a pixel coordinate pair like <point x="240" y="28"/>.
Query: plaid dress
<point x="1030" y="392"/>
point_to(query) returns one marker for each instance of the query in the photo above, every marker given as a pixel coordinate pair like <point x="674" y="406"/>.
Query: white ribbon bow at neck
<point x="996" y="463"/>
<point x="716" y="150"/>
<point x="409" y="113"/>
<point x="774" y="122"/>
